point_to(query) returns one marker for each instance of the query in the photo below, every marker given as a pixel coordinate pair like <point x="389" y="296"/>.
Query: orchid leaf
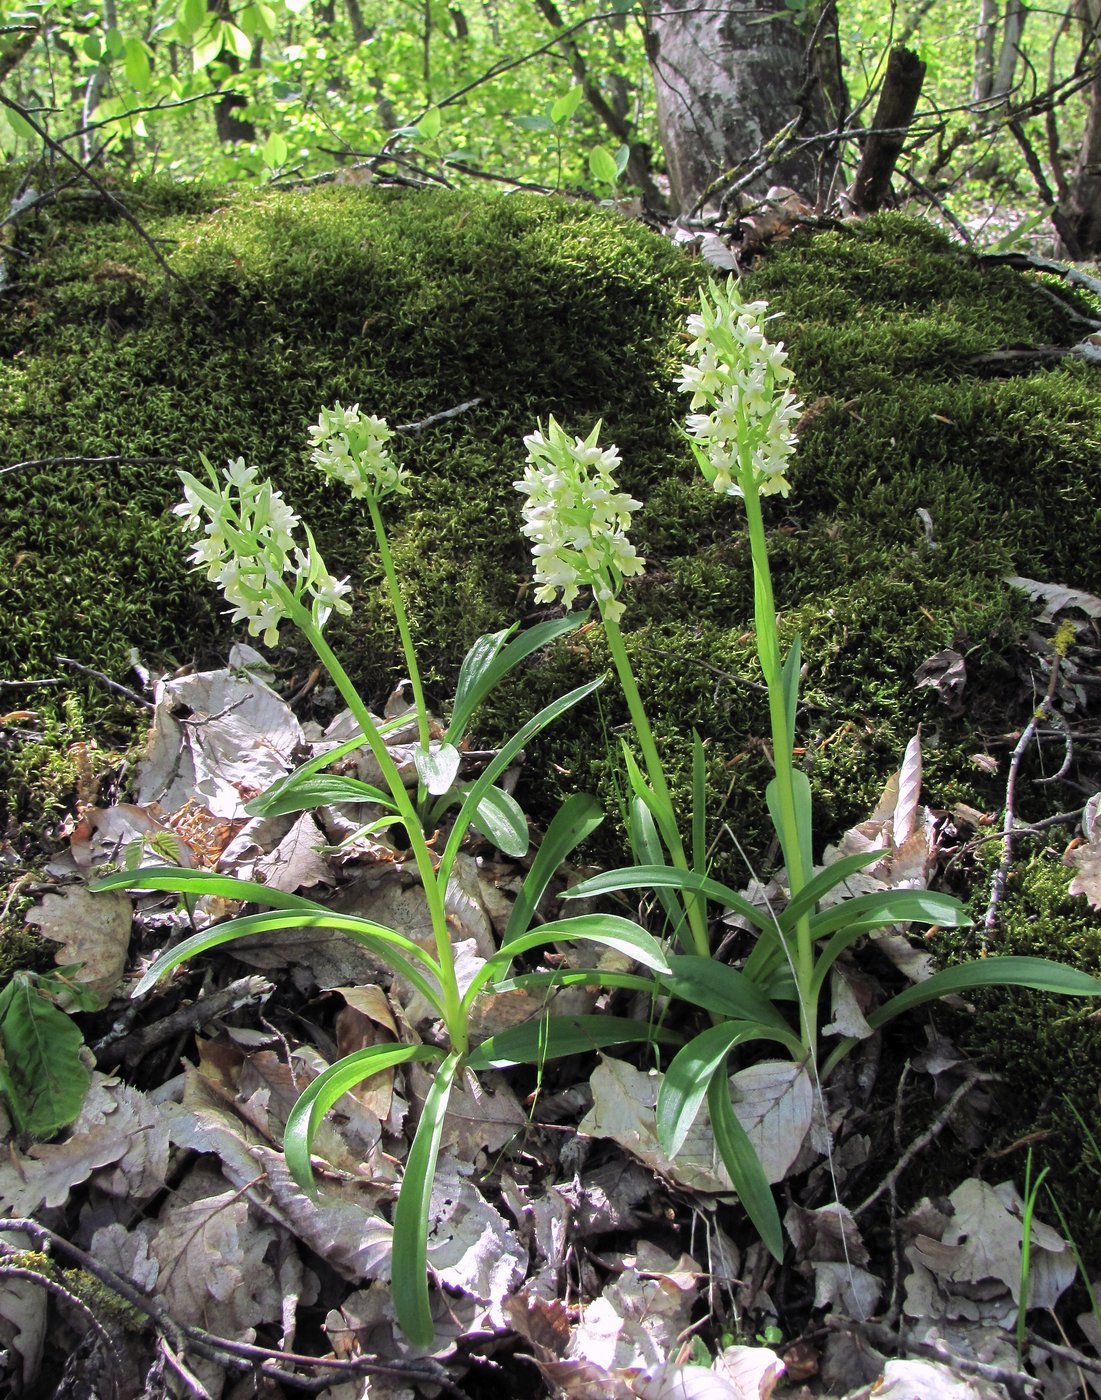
<point x="554" y="1037"/>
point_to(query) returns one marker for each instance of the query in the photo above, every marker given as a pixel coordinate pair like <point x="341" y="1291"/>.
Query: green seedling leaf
<point x="42" y="1075"/>
<point x="622" y="160"/>
<point x="409" y="1265"/>
<point x="641" y="877"/>
<point x="429" y="125"/>
<point x="535" y="123"/>
<point x="437" y="768"/>
<point x="826" y="880"/>
<point x="305" y="794"/>
<point x="743" y="1164"/>
<point x="489" y="660"/>
<point x="576" y="819"/>
<point x="381" y="940"/>
<point x="684" y="1085"/>
<point x="554" y="1037"/>
<point x="563" y="108"/>
<point x="136" y="66"/>
<point x="602" y="166"/>
<point x="175" y="880"/>
<point x="262" y="806"/>
<point x="322" y="1093"/>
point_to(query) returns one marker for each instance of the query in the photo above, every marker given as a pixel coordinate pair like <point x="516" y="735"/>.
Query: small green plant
<point x="743" y="441"/>
<point x="249" y="547"/>
<point x="42" y="1076"/>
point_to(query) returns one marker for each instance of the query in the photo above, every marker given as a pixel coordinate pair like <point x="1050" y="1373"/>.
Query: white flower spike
<point x="576" y="519"/>
<point x="744" y="439"/>
<point x="248" y="545"/>
<point x="352" y="450"/>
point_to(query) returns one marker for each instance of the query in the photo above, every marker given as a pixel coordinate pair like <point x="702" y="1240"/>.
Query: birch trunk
<point x="728" y="76"/>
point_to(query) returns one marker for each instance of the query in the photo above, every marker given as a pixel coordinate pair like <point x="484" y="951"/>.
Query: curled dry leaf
<point x="903" y="1380"/>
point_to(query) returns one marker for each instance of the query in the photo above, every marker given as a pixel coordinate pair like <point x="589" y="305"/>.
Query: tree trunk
<point x="227" y="123"/>
<point x="1084" y="214"/>
<point x="893" y="114"/>
<point x="728" y="77"/>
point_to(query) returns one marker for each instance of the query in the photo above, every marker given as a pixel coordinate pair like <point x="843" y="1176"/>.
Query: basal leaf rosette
<point x="248" y="548"/>
<point x="746" y="435"/>
<point x="576" y="519"/>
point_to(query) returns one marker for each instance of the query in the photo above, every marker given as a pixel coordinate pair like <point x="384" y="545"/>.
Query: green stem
<point x="454" y="1017"/>
<point x="401" y="619"/>
<point x="768" y="650"/>
<point x="665" y="815"/>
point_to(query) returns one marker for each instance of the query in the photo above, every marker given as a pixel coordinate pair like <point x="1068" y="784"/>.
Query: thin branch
<point x="89" y="462"/>
<point x="112" y="199"/>
<point x="107" y="681"/>
<point x="441" y="417"/>
<point x="1017" y="1383"/>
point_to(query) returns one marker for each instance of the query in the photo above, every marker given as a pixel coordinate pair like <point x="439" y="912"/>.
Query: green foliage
<point x="43" y="1078"/>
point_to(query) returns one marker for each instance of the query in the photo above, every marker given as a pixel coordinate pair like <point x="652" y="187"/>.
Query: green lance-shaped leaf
<point x="789" y="680"/>
<point x="817" y="888"/>
<point x="555" y="1037"/>
<point x="489" y="660"/>
<point x="642" y="877"/>
<point x="317" y="791"/>
<point x="322" y="1093"/>
<point x="804" y="817"/>
<point x="577" y="818"/>
<point x="267" y="804"/>
<point x="685" y="1083"/>
<point x="42" y="1075"/>
<point x="409" y="1264"/>
<point x="743" y="1164"/>
<point x="398" y="952"/>
<point x="881" y="908"/>
<point x="175" y="880"/>
<point x="721" y="990"/>
<point x="609" y="930"/>
<point x="500" y="819"/>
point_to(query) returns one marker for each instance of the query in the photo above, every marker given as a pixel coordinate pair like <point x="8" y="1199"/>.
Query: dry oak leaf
<point x="93" y="930"/>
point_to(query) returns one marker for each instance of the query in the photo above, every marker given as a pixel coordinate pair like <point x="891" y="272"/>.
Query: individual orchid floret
<point x="353" y="450"/>
<point x="576" y="519"/>
<point x="746" y="435"/>
<point x="248" y="545"/>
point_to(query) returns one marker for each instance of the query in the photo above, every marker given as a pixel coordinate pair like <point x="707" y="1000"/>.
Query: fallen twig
<point x="441" y="417"/>
<point x="920" y="1143"/>
<point x="1019" y="1385"/>
<point x="1001" y="875"/>
<point x="127" y="1046"/>
<point x="107" y="681"/>
<point x="89" y="462"/>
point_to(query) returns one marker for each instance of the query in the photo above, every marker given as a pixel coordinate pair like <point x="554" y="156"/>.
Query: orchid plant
<point x="251" y="548"/>
<point x="741" y="428"/>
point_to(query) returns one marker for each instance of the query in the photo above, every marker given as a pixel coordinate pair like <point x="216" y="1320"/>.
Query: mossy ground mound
<point x="410" y="303"/>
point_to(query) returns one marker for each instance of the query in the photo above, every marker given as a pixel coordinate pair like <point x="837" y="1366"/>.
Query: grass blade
<point x="307" y="793"/>
<point x="1038" y="974"/>
<point x="176" y="880"/>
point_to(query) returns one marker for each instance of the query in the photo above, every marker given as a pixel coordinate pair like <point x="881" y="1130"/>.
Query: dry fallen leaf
<point x="93" y="930"/>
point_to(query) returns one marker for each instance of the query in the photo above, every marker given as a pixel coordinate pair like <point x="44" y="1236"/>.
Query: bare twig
<point x="1069" y="1354"/>
<point x="89" y="462"/>
<point x="1019" y="1385"/>
<point x="441" y="417"/>
<point x="129" y="1047"/>
<point x="1001" y="875"/>
<point x="920" y="1143"/>
<point x="112" y="199"/>
<point x="107" y="681"/>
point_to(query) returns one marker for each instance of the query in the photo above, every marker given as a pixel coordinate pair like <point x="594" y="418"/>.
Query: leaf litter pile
<point x="162" y="1246"/>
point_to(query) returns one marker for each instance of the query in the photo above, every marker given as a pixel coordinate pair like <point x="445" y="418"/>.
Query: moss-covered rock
<point x="413" y="302"/>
